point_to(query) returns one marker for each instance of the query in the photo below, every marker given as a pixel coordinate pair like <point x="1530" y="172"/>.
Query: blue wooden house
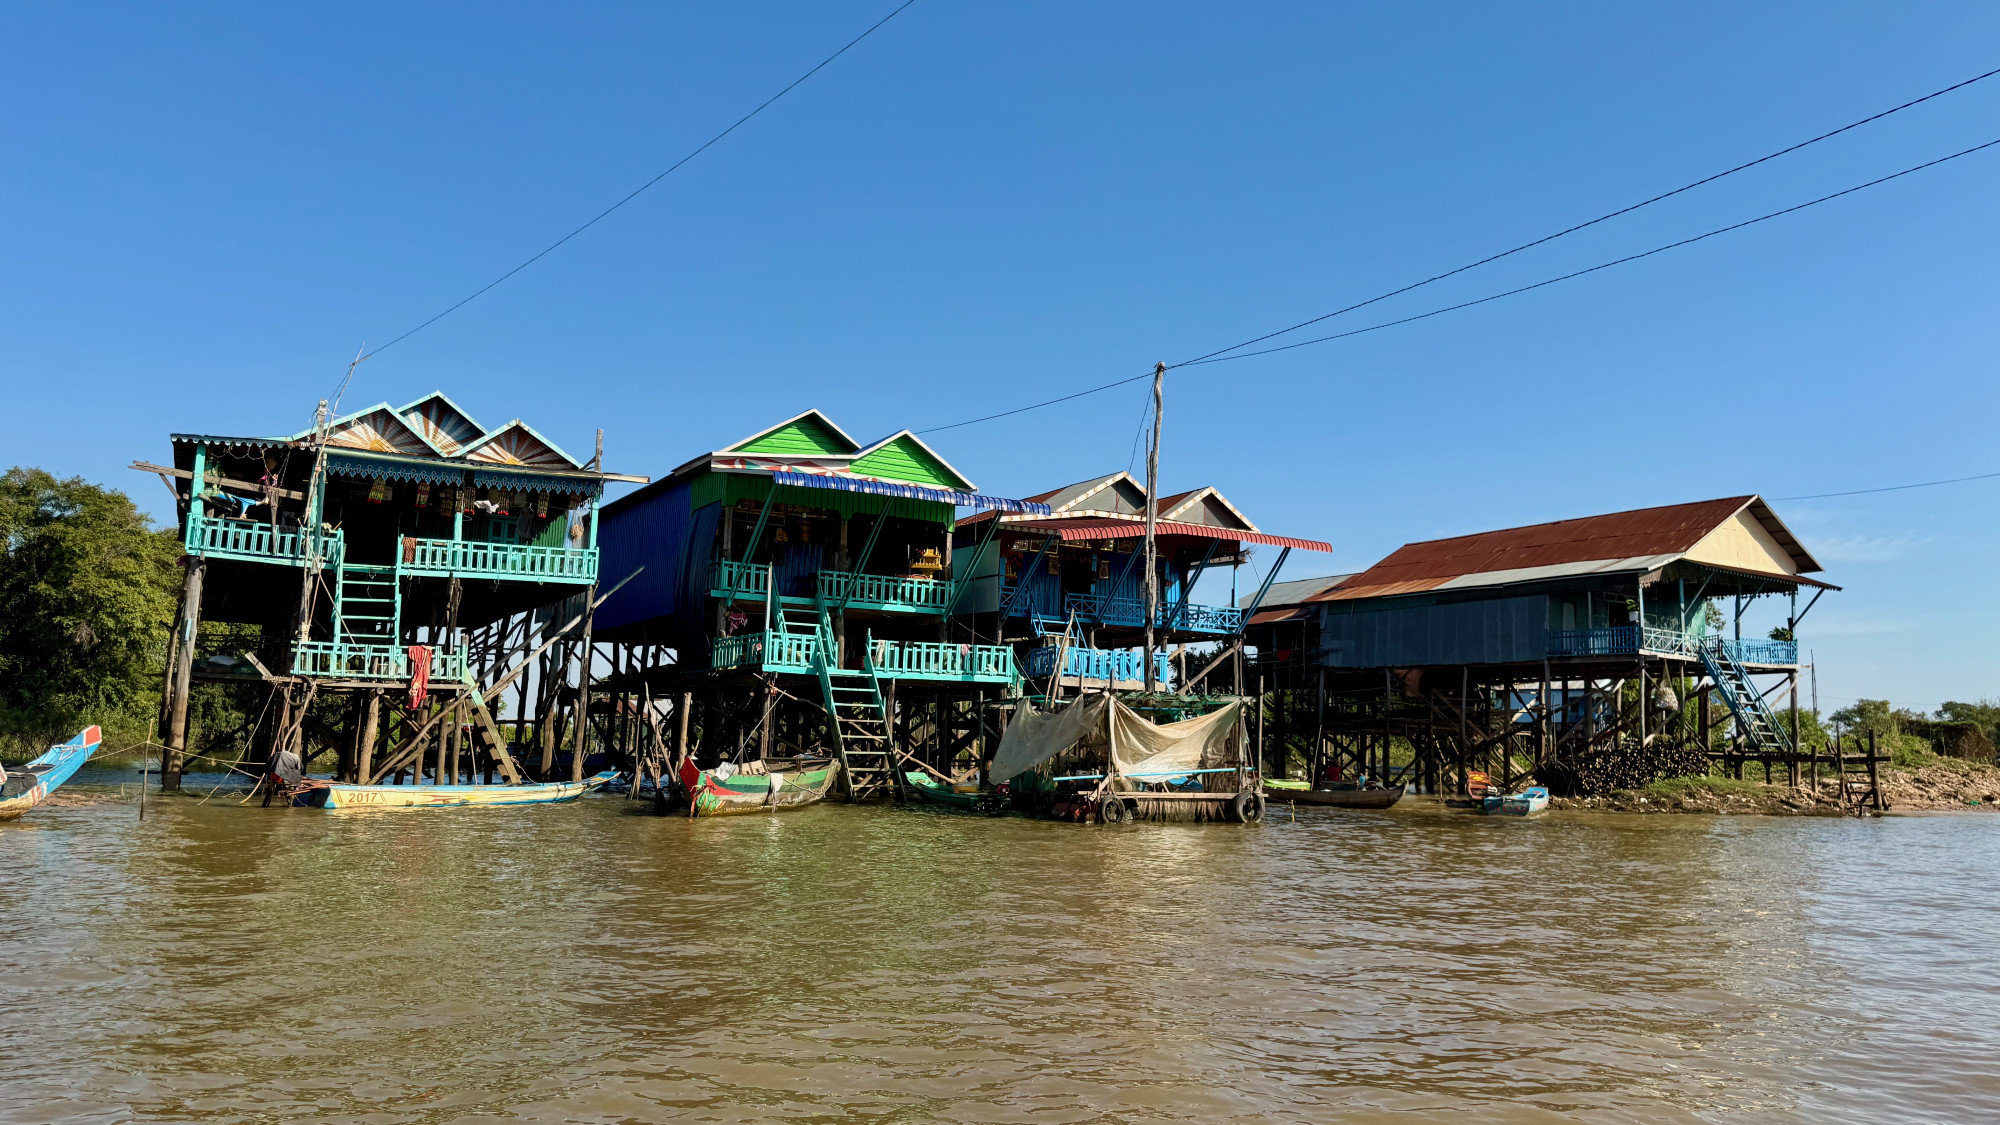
<point x="1078" y="570"/>
<point x="799" y="556"/>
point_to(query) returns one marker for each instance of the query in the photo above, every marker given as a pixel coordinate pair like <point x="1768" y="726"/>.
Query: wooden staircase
<point x="861" y="735"/>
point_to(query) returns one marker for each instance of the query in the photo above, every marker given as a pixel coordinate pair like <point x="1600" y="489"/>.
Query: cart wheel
<point x="1248" y="807"/>
<point x="1111" y="810"/>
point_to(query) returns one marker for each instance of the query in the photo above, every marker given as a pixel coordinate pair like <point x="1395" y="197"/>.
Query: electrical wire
<point x="636" y="192"/>
<point x="1604" y="217"/>
<point x="1889" y="488"/>
<point x="1221" y="357"/>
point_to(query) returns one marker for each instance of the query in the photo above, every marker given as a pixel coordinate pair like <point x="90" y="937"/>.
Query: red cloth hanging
<point x="420" y="675"/>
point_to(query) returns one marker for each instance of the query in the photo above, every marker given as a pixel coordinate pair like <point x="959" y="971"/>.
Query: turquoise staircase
<point x="859" y="720"/>
<point x="367" y="604"/>
<point x="1754" y="718"/>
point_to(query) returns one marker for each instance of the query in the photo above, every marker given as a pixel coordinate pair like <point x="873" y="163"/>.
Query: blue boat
<point x="24" y="787"/>
<point x="1527" y="802"/>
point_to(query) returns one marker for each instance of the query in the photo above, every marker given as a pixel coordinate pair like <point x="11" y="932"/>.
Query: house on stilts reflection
<point x="393" y="553"/>
<point x="797" y="593"/>
<point x="1594" y="653"/>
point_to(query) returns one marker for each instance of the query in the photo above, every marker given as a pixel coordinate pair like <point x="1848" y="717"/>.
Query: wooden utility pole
<point x="1152" y="518"/>
<point x="189" y="627"/>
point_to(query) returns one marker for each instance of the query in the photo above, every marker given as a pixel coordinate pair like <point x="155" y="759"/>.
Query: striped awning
<point x="912" y="492"/>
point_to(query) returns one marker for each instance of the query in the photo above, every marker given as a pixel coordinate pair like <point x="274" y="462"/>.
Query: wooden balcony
<point x="511" y="562"/>
<point x="1627" y="640"/>
<point x="254" y="541"/>
<point x="888" y="592"/>
<point x="343" y="660"/>
<point x="1112" y="665"/>
<point x="931" y="660"/>
<point x="771" y="651"/>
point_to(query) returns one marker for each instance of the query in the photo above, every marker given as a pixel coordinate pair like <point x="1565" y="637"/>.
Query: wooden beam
<point x="286" y="493"/>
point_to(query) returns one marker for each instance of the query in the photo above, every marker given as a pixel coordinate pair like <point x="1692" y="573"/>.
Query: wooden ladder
<point x="861" y="734"/>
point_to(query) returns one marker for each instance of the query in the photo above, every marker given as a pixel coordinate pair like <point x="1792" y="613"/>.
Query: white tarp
<point x="1137" y="746"/>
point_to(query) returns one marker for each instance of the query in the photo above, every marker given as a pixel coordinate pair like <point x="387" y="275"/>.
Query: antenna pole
<point x="1152" y="518"/>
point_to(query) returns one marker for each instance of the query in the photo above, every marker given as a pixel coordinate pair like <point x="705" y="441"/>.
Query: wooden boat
<point x="1339" y="797"/>
<point x="1527" y="802"/>
<point x="931" y="791"/>
<point x="316" y="794"/>
<point x="789" y="786"/>
<point x="29" y="785"/>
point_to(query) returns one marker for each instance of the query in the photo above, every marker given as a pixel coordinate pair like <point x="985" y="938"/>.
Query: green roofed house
<point x="382" y="549"/>
<point x="801" y="564"/>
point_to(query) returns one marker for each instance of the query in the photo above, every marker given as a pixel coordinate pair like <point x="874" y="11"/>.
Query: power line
<point x="1219" y="357"/>
<point x="1605" y="217"/>
<point x="1603" y="266"/>
<point x="1890" y="488"/>
<point x="636" y="192"/>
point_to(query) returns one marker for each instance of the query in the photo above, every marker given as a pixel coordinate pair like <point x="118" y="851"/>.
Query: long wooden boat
<point x="931" y="791"/>
<point x="317" y="794"/>
<point x="739" y="794"/>
<point x="1527" y="802"/>
<point x="29" y="785"/>
<point x="1348" y="798"/>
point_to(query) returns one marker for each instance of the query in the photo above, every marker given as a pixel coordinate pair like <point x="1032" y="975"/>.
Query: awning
<point x="912" y="492"/>
<point x="1084" y="530"/>
<point x="1273" y="616"/>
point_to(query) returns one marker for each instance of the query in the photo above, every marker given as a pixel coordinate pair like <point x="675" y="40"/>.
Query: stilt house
<point x="367" y="550"/>
<point x="1561" y="649"/>
<point x="800" y="565"/>
<point x="1076" y="572"/>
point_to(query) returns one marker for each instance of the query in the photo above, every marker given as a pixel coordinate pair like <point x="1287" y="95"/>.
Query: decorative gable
<point x="904" y="457"/>
<point x="1743" y="543"/>
<point x="379" y="430"/>
<point x="1204" y="506"/>
<point x="441" y="422"/>
<point x="809" y="434"/>
<point x="516" y="443"/>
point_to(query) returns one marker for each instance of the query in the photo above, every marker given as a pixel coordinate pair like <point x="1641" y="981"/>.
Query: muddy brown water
<point x="588" y="963"/>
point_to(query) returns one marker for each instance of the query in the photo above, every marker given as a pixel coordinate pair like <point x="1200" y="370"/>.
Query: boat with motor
<point x="314" y="793"/>
<point x="756" y="787"/>
<point x="1340" y="796"/>
<point x="1527" y="802"/>
<point x="956" y="795"/>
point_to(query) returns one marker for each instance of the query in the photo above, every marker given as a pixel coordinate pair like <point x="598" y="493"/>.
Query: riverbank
<point x="1944" y="785"/>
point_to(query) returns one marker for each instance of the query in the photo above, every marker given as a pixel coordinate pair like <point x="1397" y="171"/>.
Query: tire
<point x="1111" y="810"/>
<point x="1248" y="807"/>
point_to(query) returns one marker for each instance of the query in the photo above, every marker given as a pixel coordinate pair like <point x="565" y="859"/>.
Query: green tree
<point x="87" y="595"/>
<point x="1985" y="714"/>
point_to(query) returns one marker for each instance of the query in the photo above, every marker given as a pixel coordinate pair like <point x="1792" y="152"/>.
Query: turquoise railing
<point x="739" y="578"/>
<point x="1622" y="640"/>
<point x="516" y="561"/>
<point x="884" y="591"/>
<point x="1098" y="664"/>
<point x="345" y="660"/>
<point x="772" y="651"/>
<point x="253" y="541"/>
<point x="1132" y="611"/>
<point x="932" y="660"/>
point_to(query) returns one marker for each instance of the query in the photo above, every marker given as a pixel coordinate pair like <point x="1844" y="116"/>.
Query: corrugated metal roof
<point x="1638" y="540"/>
<point x="1273" y="616"/>
<point x="1293" y="592"/>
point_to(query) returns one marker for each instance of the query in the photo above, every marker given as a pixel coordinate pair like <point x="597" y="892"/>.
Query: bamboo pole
<point x="1152" y="518"/>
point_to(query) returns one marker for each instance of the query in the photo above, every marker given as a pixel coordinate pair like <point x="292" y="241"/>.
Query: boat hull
<point x="742" y="795"/>
<point x="931" y="791"/>
<point x="49" y="771"/>
<point x="336" y="795"/>
<point x="1526" y="803"/>
<point x="1338" y="798"/>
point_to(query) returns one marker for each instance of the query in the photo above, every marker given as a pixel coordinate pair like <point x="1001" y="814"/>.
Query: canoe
<point x="1527" y="802"/>
<point x="316" y="794"/>
<point x="1350" y="798"/>
<point x="786" y="787"/>
<point x="29" y="785"/>
<point x="931" y="791"/>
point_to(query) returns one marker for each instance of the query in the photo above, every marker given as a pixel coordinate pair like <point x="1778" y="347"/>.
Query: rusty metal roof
<point x="1639" y="540"/>
<point x="1086" y="529"/>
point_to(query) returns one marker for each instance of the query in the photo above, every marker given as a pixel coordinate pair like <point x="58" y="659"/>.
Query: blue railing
<point x="253" y="541"/>
<point x="346" y="660"/>
<point x="931" y="660"/>
<point x="1626" y="639"/>
<point x="1098" y="664"/>
<point x="771" y="651"/>
<point x="1132" y="611"/>
<point x="884" y="591"/>
<point x="519" y="562"/>
<point x="739" y="579"/>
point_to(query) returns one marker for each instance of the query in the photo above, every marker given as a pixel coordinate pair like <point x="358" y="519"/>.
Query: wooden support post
<point x="583" y="686"/>
<point x="371" y="719"/>
<point x="1792" y="767"/>
<point x="186" y="630"/>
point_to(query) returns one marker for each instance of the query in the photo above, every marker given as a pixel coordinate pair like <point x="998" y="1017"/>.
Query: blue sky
<point x="985" y="204"/>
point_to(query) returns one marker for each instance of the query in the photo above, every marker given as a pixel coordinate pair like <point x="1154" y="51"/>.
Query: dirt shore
<point x="1944" y="786"/>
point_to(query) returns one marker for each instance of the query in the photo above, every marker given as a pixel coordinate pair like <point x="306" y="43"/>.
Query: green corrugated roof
<point x="807" y="434"/>
<point x="905" y="459"/>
